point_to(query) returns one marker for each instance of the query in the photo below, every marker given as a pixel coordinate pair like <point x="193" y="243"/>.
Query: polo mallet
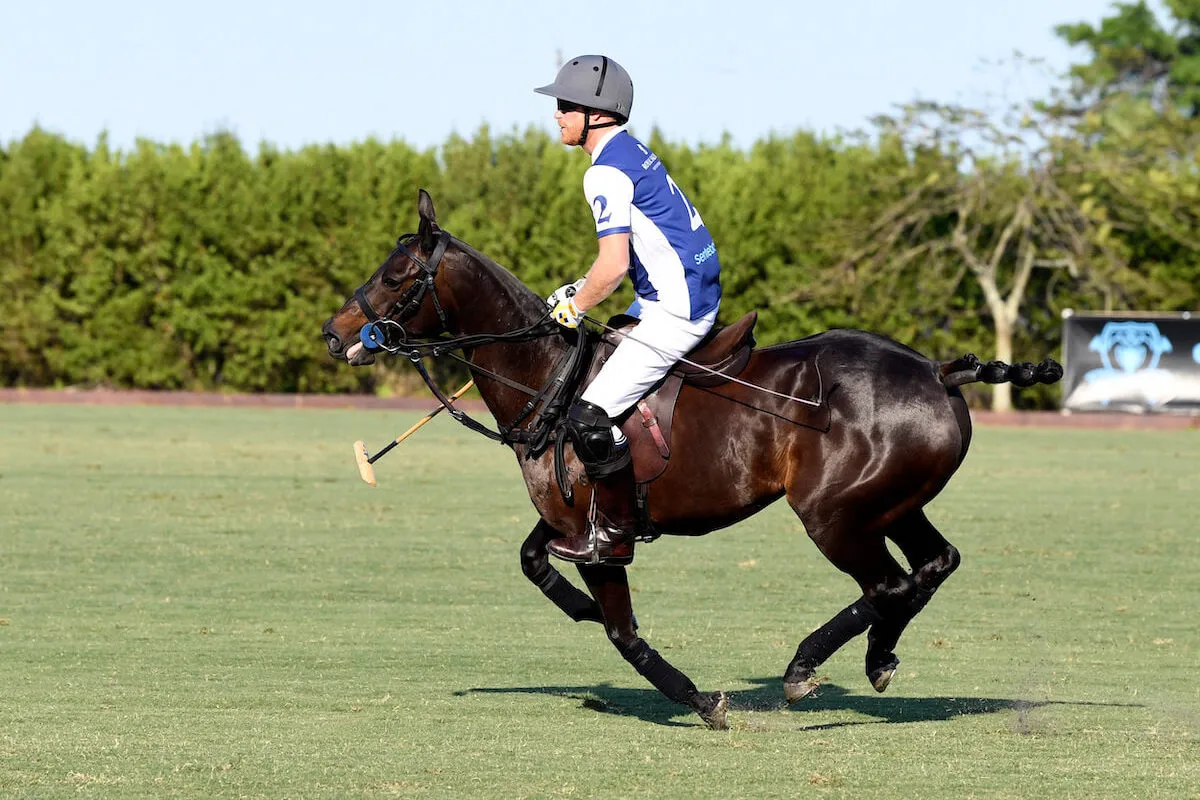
<point x="365" y="470"/>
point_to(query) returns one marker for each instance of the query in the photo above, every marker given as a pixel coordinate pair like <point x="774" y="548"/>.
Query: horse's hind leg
<point x="537" y="567"/>
<point x="610" y="586"/>
<point x="932" y="559"/>
<point x="866" y="559"/>
<point x="800" y="679"/>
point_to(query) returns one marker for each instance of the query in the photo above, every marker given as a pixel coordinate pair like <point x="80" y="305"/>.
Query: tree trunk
<point x="1002" y="392"/>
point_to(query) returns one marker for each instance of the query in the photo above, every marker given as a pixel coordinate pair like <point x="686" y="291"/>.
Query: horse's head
<point x="402" y="295"/>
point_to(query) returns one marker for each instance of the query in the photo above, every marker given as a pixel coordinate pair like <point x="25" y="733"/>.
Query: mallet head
<point x="365" y="470"/>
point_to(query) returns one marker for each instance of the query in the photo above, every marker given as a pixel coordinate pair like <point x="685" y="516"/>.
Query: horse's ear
<point x="427" y="230"/>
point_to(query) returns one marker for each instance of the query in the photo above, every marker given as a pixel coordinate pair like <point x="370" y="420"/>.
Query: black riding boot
<point x="613" y="527"/>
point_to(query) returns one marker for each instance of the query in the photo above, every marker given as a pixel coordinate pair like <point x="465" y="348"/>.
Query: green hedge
<point x="211" y="268"/>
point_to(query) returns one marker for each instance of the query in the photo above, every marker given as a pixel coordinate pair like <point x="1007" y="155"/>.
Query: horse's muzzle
<point x="332" y="340"/>
<point x="354" y="353"/>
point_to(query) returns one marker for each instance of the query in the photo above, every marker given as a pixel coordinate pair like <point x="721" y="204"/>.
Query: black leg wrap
<point x="824" y="642"/>
<point x="650" y="665"/>
<point x="574" y="603"/>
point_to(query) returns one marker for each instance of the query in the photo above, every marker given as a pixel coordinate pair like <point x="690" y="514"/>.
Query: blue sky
<point x="294" y="73"/>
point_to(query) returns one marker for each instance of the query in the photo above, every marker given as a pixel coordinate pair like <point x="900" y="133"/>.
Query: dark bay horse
<point x="896" y="428"/>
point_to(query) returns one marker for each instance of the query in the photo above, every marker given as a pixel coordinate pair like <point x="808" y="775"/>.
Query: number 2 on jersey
<point x="693" y="214"/>
<point x="601" y="205"/>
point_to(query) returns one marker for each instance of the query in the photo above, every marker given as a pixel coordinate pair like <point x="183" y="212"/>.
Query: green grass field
<point x="207" y="602"/>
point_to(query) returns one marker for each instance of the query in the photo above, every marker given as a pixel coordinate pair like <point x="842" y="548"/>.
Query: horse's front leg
<point x="610" y="586"/>
<point x="536" y="566"/>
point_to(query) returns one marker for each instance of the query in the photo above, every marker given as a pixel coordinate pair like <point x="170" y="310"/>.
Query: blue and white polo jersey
<point x="673" y="259"/>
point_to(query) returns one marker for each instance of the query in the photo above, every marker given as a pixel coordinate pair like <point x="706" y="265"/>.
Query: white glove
<point x="565" y="292"/>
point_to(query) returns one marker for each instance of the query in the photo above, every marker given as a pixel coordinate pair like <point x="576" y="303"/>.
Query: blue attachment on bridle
<point x="374" y="336"/>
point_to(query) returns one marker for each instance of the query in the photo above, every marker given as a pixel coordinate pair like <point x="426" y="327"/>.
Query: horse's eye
<point x="392" y="283"/>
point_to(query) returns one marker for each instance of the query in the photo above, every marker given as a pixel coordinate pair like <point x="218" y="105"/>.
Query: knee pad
<point x="590" y="429"/>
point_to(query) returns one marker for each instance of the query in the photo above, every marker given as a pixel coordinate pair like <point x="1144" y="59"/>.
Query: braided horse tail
<point x="969" y="369"/>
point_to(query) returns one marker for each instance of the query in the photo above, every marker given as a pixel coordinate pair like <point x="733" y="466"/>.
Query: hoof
<point x="881" y="677"/>
<point x="801" y="689"/>
<point x="714" y="716"/>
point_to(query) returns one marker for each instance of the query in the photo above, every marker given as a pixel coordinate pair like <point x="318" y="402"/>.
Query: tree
<point x="1137" y="99"/>
<point x="1134" y="55"/>
<point x="992" y="201"/>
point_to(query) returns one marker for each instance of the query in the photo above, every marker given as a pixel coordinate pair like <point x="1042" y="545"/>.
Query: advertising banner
<point x="1133" y="362"/>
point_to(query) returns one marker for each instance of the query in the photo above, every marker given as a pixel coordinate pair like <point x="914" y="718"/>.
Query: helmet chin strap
<point x="588" y="127"/>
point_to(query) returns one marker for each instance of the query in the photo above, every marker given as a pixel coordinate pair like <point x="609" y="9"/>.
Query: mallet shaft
<point x="466" y="386"/>
<point x="405" y="435"/>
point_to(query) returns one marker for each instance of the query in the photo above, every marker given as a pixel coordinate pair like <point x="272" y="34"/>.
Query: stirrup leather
<point x="646" y="532"/>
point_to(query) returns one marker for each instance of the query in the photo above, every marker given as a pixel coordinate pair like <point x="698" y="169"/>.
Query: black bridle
<point x="409" y="303"/>
<point x="386" y="332"/>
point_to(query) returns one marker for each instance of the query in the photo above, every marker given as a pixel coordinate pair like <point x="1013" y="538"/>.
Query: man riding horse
<point x="647" y="228"/>
<point x="858" y="464"/>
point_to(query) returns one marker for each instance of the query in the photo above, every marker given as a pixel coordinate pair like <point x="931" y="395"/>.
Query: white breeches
<point x="644" y="357"/>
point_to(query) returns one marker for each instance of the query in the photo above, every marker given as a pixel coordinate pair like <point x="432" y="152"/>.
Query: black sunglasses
<point x="566" y="106"/>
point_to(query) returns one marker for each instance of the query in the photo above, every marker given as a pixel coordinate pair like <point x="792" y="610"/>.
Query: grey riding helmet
<point x="594" y="82"/>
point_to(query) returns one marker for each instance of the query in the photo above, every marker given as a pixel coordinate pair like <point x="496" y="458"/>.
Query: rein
<point x="386" y="332"/>
<point x="553" y="394"/>
<point x="813" y="403"/>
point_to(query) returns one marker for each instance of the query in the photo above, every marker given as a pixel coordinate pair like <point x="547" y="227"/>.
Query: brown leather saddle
<point x="722" y="354"/>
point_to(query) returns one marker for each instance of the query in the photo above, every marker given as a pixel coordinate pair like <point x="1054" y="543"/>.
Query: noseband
<point x="410" y="301"/>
